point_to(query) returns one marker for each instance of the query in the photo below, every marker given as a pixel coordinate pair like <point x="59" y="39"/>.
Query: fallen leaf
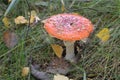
<point x="10" y="39"/>
<point x="20" y="20"/>
<point x="6" y="22"/>
<point x="60" y="77"/>
<point x="104" y="34"/>
<point x="33" y="15"/>
<point x="57" y="49"/>
<point x="34" y="18"/>
<point x="40" y="75"/>
<point x="25" y="71"/>
<point x="58" y="66"/>
<point x="33" y="12"/>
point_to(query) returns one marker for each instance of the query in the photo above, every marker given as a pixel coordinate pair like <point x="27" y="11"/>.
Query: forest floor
<point x="99" y="59"/>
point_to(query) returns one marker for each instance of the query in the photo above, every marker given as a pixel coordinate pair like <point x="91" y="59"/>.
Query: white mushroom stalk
<point x="69" y="50"/>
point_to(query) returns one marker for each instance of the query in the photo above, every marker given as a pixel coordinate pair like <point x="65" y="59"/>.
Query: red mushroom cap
<point x="68" y="27"/>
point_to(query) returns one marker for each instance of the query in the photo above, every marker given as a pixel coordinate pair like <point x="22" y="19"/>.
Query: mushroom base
<point x="69" y="50"/>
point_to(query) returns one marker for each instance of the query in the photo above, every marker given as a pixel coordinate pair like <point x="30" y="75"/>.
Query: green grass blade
<point x="10" y="7"/>
<point x="84" y="76"/>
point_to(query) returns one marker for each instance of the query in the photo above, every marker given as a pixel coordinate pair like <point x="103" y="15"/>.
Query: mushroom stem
<point x="69" y="50"/>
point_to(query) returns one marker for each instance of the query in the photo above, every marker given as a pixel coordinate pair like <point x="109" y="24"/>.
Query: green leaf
<point x="11" y="6"/>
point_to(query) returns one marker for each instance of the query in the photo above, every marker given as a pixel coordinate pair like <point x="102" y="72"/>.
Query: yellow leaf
<point x="6" y="22"/>
<point x="33" y="13"/>
<point x="104" y="34"/>
<point x="57" y="49"/>
<point x="25" y="71"/>
<point x="20" y="20"/>
<point x="60" y="77"/>
<point x="34" y="18"/>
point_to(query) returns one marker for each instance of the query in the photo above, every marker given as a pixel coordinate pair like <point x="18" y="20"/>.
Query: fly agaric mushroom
<point x="69" y="28"/>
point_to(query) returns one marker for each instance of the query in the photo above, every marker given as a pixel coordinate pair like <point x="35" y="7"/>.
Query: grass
<point x="98" y="61"/>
